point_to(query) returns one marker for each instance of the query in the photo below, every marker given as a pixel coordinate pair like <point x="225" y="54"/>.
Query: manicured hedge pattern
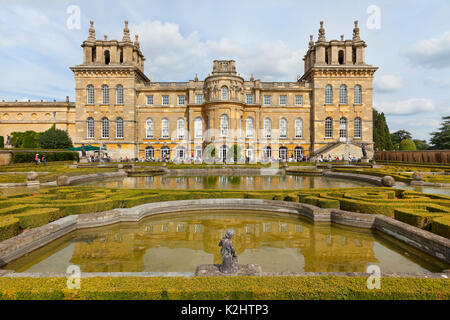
<point x="24" y="211"/>
<point x="224" y="288"/>
<point x="427" y="211"/>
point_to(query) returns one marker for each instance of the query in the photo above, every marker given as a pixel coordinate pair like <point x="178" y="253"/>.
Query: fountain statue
<point x="229" y="256"/>
<point x="229" y="266"/>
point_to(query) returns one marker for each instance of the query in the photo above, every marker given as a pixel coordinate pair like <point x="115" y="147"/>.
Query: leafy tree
<point x="440" y="140"/>
<point x="400" y="135"/>
<point x="2" y="142"/>
<point x="55" y="139"/>
<point x="421" y="144"/>
<point x="407" y="145"/>
<point x="381" y="136"/>
<point x="27" y="139"/>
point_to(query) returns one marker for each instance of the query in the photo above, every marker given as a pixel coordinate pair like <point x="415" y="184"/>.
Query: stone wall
<point x="430" y="156"/>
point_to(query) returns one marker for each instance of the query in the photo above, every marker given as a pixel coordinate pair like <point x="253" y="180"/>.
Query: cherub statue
<point x="229" y="256"/>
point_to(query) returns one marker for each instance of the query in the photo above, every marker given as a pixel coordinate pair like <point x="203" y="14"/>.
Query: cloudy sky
<point x="40" y="40"/>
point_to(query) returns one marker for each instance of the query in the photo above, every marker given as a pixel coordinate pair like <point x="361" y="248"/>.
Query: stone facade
<point x="119" y="109"/>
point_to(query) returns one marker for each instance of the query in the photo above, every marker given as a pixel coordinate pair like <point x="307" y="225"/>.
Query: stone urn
<point x="418" y="176"/>
<point x="32" y="176"/>
<point x="387" y="181"/>
<point x="62" y="181"/>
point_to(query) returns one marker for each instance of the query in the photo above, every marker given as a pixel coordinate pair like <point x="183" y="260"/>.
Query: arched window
<point x="343" y="128"/>
<point x="298" y="128"/>
<point x="180" y="128"/>
<point x="105" y="128"/>
<point x="267" y="153"/>
<point x="224" y="93"/>
<point x="249" y="128"/>
<point x="249" y="153"/>
<point x="357" y="93"/>
<point x="298" y="153"/>
<point x="149" y="152"/>
<point x="105" y="94"/>
<point x="341" y="57"/>
<point x="198" y="128"/>
<point x="107" y="57"/>
<point x="343" y="94"/>
<point x="165" y="153"/>
<point x="357" y="128"/>
<point x="283" y="153"/>
<point x="149" y="128"/>
<point x="224" y="125"/>
<point x="90" y="94"/>
<point x="90" y="128"/>
<point x="119" y="94"/>
<point x="198" y="153"/>
<point x="283" y="128"/>
<point x="165" y="128"/>
<point x="119" y="128"/>
<point x="267" y="128"/>
<point x="223" y="151"/>
<point x="328" y="128"/>
<point x="328" y="94"/>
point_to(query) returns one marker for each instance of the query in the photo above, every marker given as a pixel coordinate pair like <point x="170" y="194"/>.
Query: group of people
<point x="350" y="158"/>
<point x="38" y="159"/>
<point x="97" y="158"/>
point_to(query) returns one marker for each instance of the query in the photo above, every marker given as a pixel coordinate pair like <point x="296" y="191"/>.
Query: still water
<point x="181" y="242"/>
<point x="230" y="182"/>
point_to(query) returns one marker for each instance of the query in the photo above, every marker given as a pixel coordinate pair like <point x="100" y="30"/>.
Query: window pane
<point x="119" y="128"/>
<point x="283" y="100"/>
<point x="299" y="100"/>
<point x="328" y="128"/>
<point x="119" y="95"/>
<point x="150" y="100"/>
<point x="149" y="128"/>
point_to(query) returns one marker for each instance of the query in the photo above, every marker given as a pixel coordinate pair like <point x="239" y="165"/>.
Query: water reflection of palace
<point x="230" y="182"/>
<point x="194" y="238"/>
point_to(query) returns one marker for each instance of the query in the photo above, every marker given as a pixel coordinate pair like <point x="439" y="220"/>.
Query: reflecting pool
<point x="180" y="242"/>
<point x="230" y="182"/>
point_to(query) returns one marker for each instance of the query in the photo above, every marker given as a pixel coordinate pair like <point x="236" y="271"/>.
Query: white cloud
<point x="406" y="107"/>
<point x="433" y="53"/>
<point x="437" y="83"/>
<point x="388" y="83"/>
<point x="171" y="55"/>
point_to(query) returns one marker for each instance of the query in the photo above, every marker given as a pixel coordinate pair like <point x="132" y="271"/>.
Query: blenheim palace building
<point x="328" y="111"/>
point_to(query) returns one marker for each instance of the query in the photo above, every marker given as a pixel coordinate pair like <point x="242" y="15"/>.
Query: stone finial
<point x="91" y="32"/>
<point x="196" y="77"/>
<point x="251" y="78"/>
<point x="342" y="37"/>
<point x="67" y="99"/>
<point x="105" y="37"/>
<point x="321" y="32"/>
<point x="311" y="41"/>
<point x="126" y="33"/>
<point x="136" y="42"/>
<point x="356" y="31"/>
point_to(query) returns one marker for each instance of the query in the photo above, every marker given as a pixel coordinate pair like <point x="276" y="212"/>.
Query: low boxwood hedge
<point x="25" y="157"/>
<point x="24" y="211"/>
<point x="224" y="288"/>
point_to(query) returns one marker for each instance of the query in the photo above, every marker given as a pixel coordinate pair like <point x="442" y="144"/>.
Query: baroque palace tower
<point x="328" y="111"/>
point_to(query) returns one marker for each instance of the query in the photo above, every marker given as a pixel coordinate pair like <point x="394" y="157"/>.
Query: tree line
<point x="403" y="140"/>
